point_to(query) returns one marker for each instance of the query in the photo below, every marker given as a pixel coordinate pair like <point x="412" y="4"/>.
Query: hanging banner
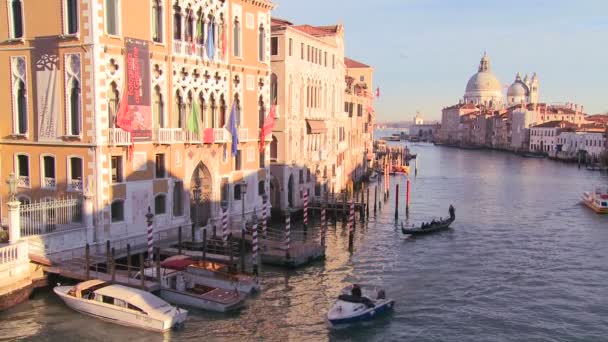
<point x="138" y="89"/>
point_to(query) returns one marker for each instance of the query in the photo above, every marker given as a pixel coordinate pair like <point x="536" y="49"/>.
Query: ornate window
<point x="112" y="16"/>
<point x="180" y="109"/>
<point x="48" y="172"/>
<point x="22" y="169"/>
<point x="262" y="44"/>
<point x="274" y="88"/>
<point x="71" y="16"/>
<point x="177" y="22"/>
<point x="73" y="95"/>
<point x="262" y="112"/>
<point x="158" y="109"/>
<point x="16" y="17"/>
<point x="237" y="37"/>
<point x="112" y="105"/>
<point x="19" y="80"/>
<point x="157" y="21"/>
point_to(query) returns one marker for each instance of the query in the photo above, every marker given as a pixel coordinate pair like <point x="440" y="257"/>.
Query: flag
<point x="211" y="42"/>
<point x="123" y="120"/>
<point x="378" y="92"/>
<point x="208" y="135"/>
<point x="267" y="127"/>
<point x="199" y="30"/>
<point x="192" y="124"/>
<point x="232" y="128"/>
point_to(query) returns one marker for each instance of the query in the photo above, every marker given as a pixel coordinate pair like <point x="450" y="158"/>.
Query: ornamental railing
<point x="45" y="217"/>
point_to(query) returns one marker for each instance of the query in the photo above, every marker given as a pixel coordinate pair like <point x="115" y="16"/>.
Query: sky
<point x="424" y="51"/>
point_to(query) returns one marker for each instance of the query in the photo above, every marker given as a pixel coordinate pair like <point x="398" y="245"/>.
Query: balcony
<point x="243" y="134"/>
<point x="119" y="137"/>
<point x="75" y="185"/>
<point x="165" y="136"/>
<point x="23" y="181"/>
<point x="179" y="47"/>
<point x="221" y="135"/>
<point x="48" y="183"/>
<point x="192" y="138"/>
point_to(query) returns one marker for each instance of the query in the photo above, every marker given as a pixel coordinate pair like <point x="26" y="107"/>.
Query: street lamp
<point x="197" y="200"/>
<point x="12" y="186"/>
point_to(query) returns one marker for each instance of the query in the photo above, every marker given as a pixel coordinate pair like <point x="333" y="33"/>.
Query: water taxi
<point x="122" y="305"/>
<point x="597" y="200"/>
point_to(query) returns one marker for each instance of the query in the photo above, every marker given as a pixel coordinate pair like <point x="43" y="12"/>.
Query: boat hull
<point x="365" y="315"/>
<point x="110" y="313"/>
<point x="420" y="231"/>
<point x="200" y="301"/>
<point x="589" y="202"/>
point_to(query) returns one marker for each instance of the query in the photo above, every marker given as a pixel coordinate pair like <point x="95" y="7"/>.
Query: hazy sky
<point x="424" y="51"/>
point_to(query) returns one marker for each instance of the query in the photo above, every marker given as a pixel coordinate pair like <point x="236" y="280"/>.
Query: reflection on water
<point x="524" y="261"/>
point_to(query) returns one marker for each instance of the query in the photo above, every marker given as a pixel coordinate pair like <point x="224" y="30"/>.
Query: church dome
<point x="484" y="86"/>
<point x="518" y="88"/>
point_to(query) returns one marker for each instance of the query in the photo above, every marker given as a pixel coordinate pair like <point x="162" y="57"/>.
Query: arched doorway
<point x="200" y="185"/>
<point x="290" y="192"/>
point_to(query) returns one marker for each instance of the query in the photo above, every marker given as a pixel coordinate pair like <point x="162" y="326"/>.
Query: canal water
<point x="525" y="261"/>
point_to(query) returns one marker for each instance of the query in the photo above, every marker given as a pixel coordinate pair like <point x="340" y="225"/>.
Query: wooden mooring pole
<point x="204" y="244"/>
<point x="179" y="240"/>
<point x="87" y="260"/>
<point x="113" y="267"/>
<point x="129" y="264"/>
<point x="375" y="198"/>
<point x="367" y="203"/>
<point x="157" y="255"/>
<point x="142" y="277"/>
<point x="397" y="201"/>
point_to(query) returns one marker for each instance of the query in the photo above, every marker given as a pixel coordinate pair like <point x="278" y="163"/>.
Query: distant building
<point x="543" y="137"/>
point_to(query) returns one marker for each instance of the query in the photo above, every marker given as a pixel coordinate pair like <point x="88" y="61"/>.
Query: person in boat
<point x="452" y="211"/>
<point x="356" y="291"/>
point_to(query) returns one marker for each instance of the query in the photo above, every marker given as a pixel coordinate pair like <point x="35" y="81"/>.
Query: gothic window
<point x="73" y="118"/>
<point x="237" y="105"/>
<point x="158" y="109"/>
<point x="274" y="87"/>
<point x="200" y="27"/>
<point x="75" y="174"/>
<point x="74" y="123"/>
<point x="189" y="34"/>
<point x="202" y="110"/>
<point x="262" y="44"/>
<point x="177" y="23"/>
<point x="19" y="80"/>
<point x="17" y="19"/>
<point x="237" y="37"/>
<point x="71" y="16"/>
<point x="211" y="109"/>
<point x="274" y="46"/>
<point x="112" y="105"/>
<point x="157" y="21"/>
<point x="274" y="149"/>
<point x="112" y="16"/>
<point x="180" y="109"/>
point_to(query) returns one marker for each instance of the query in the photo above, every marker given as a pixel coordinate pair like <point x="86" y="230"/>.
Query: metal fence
<point x="51" y="216"/>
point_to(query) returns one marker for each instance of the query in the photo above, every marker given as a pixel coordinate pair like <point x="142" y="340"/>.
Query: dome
<point x="482" y="82"/>
<point x="517" y="89"/>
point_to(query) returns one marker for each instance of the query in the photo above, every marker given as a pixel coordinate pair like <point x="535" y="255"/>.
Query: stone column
<point x="14" y="222"/>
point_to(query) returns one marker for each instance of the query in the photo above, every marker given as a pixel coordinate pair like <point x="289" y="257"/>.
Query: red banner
<point x="138" y="115"/>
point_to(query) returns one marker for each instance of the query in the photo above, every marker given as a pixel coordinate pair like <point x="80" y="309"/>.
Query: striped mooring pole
<point x="149" y="217"/>
<point x="323" y="226"/>
<point x="254" y="249"/>
<point x="351" y="225"/>
<point x="287" y="234"/>
<point x="225" y="225"/>
<point x="305" y="209"/>
<point x="264" y="219"/>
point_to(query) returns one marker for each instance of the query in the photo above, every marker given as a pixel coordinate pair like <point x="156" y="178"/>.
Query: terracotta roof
<point x="281" y="22"/>
<point x="555" y="124"/>
<point x="351" y="63"/>
<point x="317" y="30"/>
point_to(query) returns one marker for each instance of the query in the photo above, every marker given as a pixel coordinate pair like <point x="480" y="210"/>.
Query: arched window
<point x="48" y="172"/>
<point x="22" y="166"/>
<point x="112" y="105"/>
<point x="262" y="44"/>
<point x="189" y="34"/>
<point x="160" y="204"/>
<point x="220" y="34"/>
<point x="118" y="211"/>
<point x="274" y="88"/>
<point x="237" y="105"/>
<point x="262" y="111"/>
<point x="177" y="22"/>
<point x="17" y="18"/>
<point x="201" y="109"/>
<point x="212" y="110"/>
<point x="21" y="109"/>
<point x="157" y="21"/>
<point x="200" y="27"/>
<point x="75" y="114"/>
<point x="237" y="37"/>
<point x="180" y="109"/>
<point x="71" y="15"/>
<point x="274" y="149"/>
<point x="158" y="109"/>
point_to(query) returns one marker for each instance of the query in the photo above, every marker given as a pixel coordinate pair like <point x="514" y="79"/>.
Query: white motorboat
<point x="357" y="304"/>
<point x="122" y="305"/>
<point x="181" y="288"/>
<point x="213" y="274"/>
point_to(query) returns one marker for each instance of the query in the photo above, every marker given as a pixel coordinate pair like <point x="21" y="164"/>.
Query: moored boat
<point x="431" y="227"/>
<point x="181" y="288"/>
<point x="401" y="169"/>
<point x="122" y="305"/>
<point x="356" y="304"/>
<point x="597" y="200"/>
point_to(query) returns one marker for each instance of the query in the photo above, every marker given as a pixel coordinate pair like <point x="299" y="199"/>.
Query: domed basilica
<point x="485" y="89"/>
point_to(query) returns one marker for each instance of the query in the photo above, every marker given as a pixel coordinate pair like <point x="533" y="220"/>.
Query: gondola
<point x="431" y="228"/>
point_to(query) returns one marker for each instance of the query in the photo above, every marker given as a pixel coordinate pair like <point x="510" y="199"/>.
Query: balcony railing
<point x="178" y="135"/>
<point x="75" y="185"/>
<point x="243" y="134"/>
<point x="165" y="135"/>
<point x="119" y="137"/>
<point x="178" y="47"/>
<point x="23" y="181"/>
<point x="221" y="135"/>
<point x="49" y="183"/>
<point x="193" y="138"/>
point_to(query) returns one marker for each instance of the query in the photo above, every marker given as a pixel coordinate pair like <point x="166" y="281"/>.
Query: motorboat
<point x="122" y="305"/>
<point x="432" y="227"/>
<point x="597" y="200"/>
<point x="356" y="304"/>
<point x="213" y="274"/>
<point x="401" y="169"/>
<point x="181" y="288"/>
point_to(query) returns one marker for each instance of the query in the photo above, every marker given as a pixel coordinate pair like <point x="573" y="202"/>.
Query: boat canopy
<point x="142" y="299"/>
<point x="177" y="264"/>
<point x="92" y="284"/>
